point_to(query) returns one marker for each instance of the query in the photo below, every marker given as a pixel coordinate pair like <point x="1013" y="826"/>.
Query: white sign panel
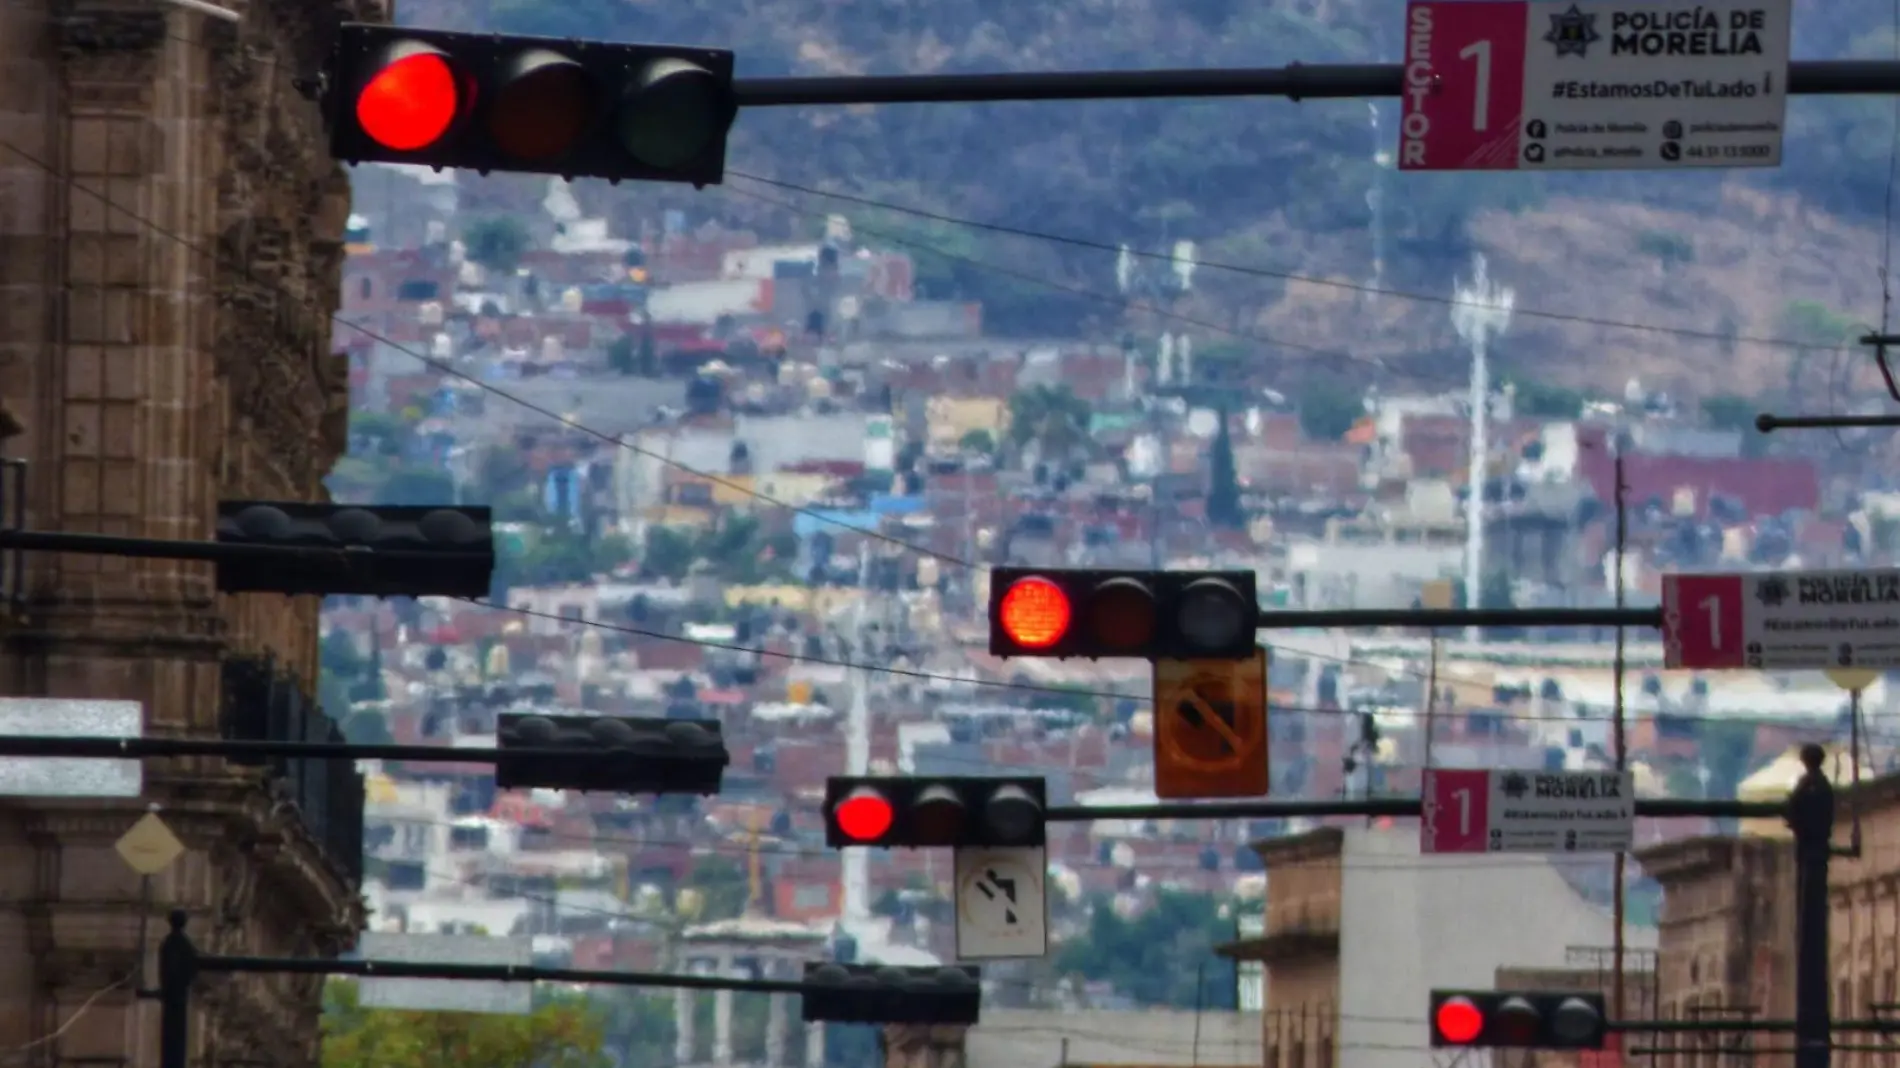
<point x="1783" y="620"/>
<point x="1561" y="812"/>
<point x="71" y="776"/>
<point x="446" y="995"/>
<point x="1654" y="85"/>
<point x="1002" y="909"/>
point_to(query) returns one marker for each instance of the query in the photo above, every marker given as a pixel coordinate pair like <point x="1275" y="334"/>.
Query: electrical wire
<point x="1100" y="297"/>
<point x="78" y="1015"/>
<point x="1284" y="276"/>
<point x="1119" y="695"/>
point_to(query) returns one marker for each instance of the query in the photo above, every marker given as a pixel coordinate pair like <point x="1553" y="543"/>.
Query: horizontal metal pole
<point x="1739" y="1025"/>
<point x="491" y="973"/>
<point x="1461" y="617"/>
<point x="20" y="745"/>
<point x="1375" y="808"/>
<point x="1295" y="82"/>
<point x="214" y="551"/>
<point x="1768" y="422"/>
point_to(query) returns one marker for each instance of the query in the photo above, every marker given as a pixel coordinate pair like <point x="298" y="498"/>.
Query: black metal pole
<point x="1461" y="617"/>
<point x="1378" y="807"/>
<point x="177" y="968"/>
<point x="1768" y="422"/>
<point x="1811" y="818"/>
<point x="1295" y="81"/>
<point x="82" y="748"/>
<point x="50" y="541"/>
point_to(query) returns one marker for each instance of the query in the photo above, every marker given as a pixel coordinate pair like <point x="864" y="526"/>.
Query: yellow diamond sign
<point x="149" y="847"/>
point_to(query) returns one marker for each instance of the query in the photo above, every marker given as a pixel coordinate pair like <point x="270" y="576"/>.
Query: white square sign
<point x="1002" y="907"/>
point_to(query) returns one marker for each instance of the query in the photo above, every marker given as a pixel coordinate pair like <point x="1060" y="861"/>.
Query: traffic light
<point x="381" y="550"/>
<point x="919" y="813"/>
<point x="1496" y="1019"/>
<point x="542" y="105"/>
<point x="1152" y="615"/>
<point x="610" y="754"/>
<point x="879" y="994"/>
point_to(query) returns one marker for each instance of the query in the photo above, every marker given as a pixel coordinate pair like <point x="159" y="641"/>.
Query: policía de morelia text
<point x="1690" y="32"/>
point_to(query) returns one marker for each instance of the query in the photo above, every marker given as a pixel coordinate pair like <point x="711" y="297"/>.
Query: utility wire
<point x="1284" y="276"/>
<point x="1145" y="698"/>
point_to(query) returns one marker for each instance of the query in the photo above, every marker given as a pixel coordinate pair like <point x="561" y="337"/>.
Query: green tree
<point x="1813" y="321"/>
<point x="1223" y="488"/>
<point x="1728" y="411"/>
<point x="496" y="242"/>
<point x="1163" y="956"/>
<point x="667" y="554"/>
<point x="1052" y="416"/>
<point x="978" y="440"/>
<point x="1542" y="400"/>
<point x="366" y="728"/>
<point x="1329" y="409"/>
<point x="562" y="1032"/>
<point x="723" y="886"/>
<point x="621" y="355"/>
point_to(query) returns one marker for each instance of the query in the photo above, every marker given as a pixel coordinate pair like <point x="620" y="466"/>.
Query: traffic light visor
<point x="865" y="815"/>
<point x="673" y="112"/>
<point x="1212" y="614"/>
<point x="1122" y="614"/>
<point x="1577" y="1022"/>
<point x="1035" y="613"/>
<point x="937" y="817"/>
<point x="1459" y="1021"/>
<point x="543" y="104"/>
<point x="410" y="101"/>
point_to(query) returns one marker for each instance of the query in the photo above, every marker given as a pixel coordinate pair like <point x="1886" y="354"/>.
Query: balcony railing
<point x="264" y="704"/>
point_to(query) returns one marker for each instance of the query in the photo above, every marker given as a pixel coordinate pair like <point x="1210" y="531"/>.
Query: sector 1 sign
<point x="1782" y="620"/>
<point x="1579" y="85"/>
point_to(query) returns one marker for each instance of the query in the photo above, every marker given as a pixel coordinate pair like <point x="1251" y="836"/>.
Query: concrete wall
<point x="1046" y="1038"/>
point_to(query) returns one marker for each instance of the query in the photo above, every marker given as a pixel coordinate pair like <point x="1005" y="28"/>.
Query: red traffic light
<point x="1035" y="613"/>
<point x="410" y="102"/>
<point x="1458" y="1021"/>
<point x="865" y="815"/>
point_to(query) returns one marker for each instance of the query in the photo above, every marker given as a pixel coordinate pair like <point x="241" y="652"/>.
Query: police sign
<point x="1603" y="85"/>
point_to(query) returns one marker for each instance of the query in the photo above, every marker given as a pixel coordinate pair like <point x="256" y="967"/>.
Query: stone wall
<point x="170" y="243"/>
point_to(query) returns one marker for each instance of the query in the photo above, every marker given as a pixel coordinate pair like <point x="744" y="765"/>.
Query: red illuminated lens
<point x="1459" y="1021"/>
<point x="544" y="105"/>
<point x="411" y="102"/>
<point x="1035" y="613"/>
<point x="864" y="816"/>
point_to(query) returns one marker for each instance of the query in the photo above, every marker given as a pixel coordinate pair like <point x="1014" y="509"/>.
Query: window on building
<point x="366" y="287"/>
<point x="468" y="838"/>
<point x="812" y="897"/>
<point x="404" y="875"/>
<point x="418" y="289"/>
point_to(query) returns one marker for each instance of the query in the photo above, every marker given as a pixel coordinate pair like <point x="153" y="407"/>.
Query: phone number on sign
<point x="1566" y="815"/>
<point x="1728" y="151"/>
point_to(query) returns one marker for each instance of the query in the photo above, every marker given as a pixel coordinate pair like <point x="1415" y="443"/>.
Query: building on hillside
<point x="1360" y="928"/>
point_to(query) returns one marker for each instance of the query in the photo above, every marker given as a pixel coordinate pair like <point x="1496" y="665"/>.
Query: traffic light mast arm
<point x="140" y="748"/>
<point x="210" y="551"/>
<point x="1395" y="807"/>
<point x="1450" y="618"/>
<point x="1295" y="81"/>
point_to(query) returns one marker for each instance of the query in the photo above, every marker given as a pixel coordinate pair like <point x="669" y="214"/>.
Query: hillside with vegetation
<point x="1276" y="187"/>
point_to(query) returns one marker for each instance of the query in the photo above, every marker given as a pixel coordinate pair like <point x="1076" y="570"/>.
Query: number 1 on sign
<point x="1480" y="52"/>
<point x="1713" y="606"/>
<point x="1463" y="798"/>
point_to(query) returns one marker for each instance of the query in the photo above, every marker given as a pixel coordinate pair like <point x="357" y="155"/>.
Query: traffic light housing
<point x="927" y="812"/>
<point x="608" y="754"/>
<point x="1500" y="1019"/>
<point x="879" y="994"/>
<point x="381" y="550"/>
<point x="539" y="105"/>
<point x="1150" y="615"/>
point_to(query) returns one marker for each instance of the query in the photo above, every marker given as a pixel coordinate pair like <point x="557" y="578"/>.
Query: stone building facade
<point x="170" y="245"/>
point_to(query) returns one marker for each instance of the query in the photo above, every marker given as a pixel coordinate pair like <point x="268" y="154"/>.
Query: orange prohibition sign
<point x="1211" y="728"/>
